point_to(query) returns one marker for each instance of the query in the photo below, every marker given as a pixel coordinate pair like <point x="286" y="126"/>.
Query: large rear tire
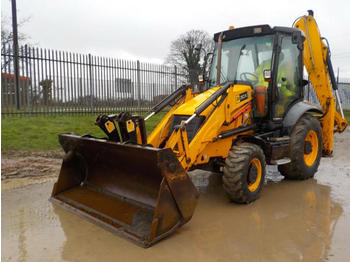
<point x="244" y="173"/>
<point x="305" y="149"/>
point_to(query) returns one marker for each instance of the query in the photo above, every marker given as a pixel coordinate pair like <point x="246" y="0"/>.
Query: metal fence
<point x="344" y="94"/>
<point x="53" y="81"/>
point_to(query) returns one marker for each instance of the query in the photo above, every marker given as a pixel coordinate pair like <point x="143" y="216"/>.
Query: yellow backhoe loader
<point x="252" y="113"/>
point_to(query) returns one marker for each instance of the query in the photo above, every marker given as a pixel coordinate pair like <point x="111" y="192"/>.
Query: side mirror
<point x="267" y="75"/>
<point x="304" y="82"/>
<point x="200" y="79"/>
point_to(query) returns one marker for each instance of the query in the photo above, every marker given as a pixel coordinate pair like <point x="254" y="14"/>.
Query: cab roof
<point x="255" y="30"/>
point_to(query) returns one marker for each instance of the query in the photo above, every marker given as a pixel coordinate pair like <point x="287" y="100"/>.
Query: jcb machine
<point x="253" y="113"/>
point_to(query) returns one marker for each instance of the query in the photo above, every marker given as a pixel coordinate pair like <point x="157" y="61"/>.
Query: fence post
<point x="175" y="72"/>
<point x="15" y="53"/>
<point x="27" y="85"/>
<point x="138" y="88"/>
<point x="91" y="86"/>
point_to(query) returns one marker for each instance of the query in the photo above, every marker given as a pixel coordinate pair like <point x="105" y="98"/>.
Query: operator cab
<point x="264" y="58"/>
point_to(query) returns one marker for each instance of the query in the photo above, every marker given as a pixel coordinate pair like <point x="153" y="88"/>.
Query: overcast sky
<point x="144" y="29"/>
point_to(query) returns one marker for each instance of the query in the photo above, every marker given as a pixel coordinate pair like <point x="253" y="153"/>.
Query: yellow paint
<point x="160" y="132"/>
<point x="341" y="122"/>
<point x="138" y="135"/>
<point x="314" y="61"/>
<point x="191" y="104"/>
<point x="130" y="126"/>
<point x="205" y="144"/>
<point x="109" y="126"/>
<point x="255" y="162"/>
<point x="313" y="139"/>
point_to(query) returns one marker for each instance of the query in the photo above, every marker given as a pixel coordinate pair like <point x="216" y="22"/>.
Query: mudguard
<point x="297" y="110"/>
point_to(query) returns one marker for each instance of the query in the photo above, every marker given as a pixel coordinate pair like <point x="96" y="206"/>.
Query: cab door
<point x="288" y="81"/>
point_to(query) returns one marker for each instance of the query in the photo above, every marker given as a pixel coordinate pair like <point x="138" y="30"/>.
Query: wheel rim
<point x="254" y="174"/>
<point x="311" y="156"/>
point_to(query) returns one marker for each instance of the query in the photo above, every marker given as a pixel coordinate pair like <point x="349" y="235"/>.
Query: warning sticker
<point x="130" y="126"/>
<point x="109" y="126"/>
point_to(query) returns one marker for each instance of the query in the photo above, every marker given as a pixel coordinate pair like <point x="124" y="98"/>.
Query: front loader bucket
<point x="139" y="192"/>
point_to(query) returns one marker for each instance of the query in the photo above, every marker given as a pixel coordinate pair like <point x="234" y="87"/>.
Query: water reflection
<point x="292" y="221"/>
<point x="21" y="236"/>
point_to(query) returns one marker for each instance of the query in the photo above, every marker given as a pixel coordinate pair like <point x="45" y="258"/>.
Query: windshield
<point x="243" y="59"/>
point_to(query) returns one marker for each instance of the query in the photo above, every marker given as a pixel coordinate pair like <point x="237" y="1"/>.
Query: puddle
<point x="292" y="221"/>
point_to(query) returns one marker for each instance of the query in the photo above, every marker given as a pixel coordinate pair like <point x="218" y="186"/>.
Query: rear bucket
<point x="141" y="193"/>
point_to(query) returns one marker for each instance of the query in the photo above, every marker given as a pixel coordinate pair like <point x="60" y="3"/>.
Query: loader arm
<point x="317" y="61"/>
<point x="160" y="132"/>
<point x="225" y="117"/>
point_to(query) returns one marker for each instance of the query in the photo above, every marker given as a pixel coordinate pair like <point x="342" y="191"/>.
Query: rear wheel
<point x="244" y="173"/>
<point x="305" y="149"/>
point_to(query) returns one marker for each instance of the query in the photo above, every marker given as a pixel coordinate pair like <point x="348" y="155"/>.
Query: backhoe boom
<point x="317" y="61"/>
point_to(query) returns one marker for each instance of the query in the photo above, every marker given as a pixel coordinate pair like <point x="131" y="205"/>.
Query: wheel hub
<point x="310" y="148"/>
<point x="307" y="147"/>
<point x="253" y="174"/>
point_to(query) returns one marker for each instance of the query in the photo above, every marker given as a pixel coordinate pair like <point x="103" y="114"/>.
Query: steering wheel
<point x="247" y="76"/>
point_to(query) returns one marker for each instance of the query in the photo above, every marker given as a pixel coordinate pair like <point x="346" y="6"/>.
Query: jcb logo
<point x="241" y="97"/>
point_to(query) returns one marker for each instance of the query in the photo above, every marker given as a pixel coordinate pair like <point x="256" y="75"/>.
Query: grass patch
<point x="347" y="115"/>
<point x="40" y="133"/>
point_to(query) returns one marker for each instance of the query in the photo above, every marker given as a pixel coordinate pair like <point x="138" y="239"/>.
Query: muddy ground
<point x="292" y="221"/>
<point x="24" y="168"/>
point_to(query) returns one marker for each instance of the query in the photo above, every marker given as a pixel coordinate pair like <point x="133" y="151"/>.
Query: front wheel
<point x="305" y="149"/>
<point x="244" y="173"/>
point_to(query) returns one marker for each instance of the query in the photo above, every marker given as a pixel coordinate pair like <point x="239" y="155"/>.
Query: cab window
<point x="288" y="83"/>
